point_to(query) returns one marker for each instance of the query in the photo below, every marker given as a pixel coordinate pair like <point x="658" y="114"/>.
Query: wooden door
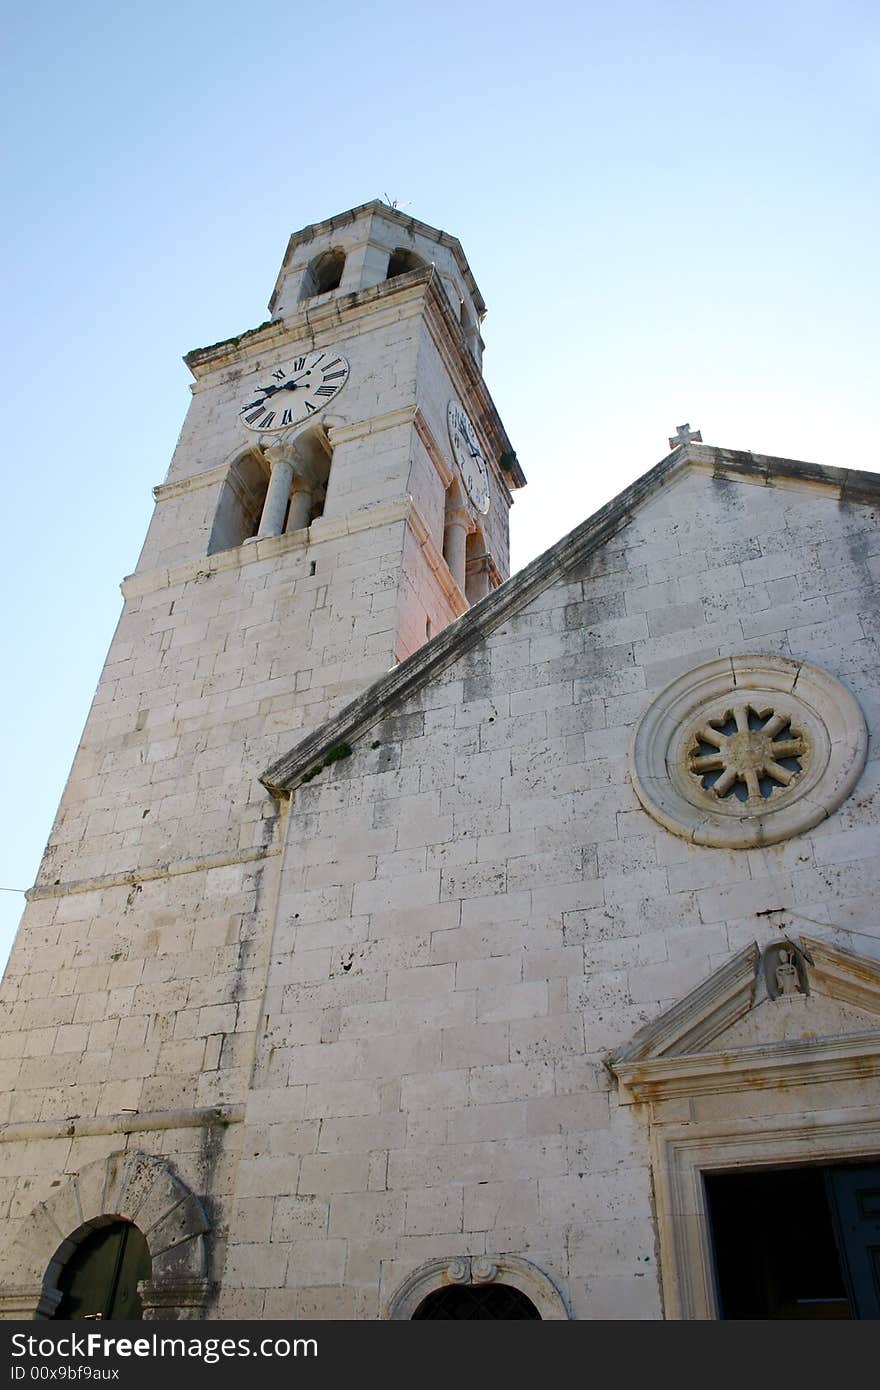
<point x="855" y="1202"/>
<point x="101" y="1277"/>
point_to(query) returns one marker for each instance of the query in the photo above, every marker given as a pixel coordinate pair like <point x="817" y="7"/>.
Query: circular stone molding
<point x="748" y="750"/>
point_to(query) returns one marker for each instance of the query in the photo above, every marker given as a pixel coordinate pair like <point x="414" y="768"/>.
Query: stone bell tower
<point x="339" y="493"/>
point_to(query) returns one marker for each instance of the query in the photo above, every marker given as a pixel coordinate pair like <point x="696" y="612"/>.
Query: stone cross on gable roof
<point x="685" y="436"/>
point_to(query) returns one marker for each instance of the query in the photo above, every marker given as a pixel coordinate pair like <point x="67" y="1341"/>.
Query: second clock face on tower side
<point x="468" y="456"/>
<point x="289" y="394"/>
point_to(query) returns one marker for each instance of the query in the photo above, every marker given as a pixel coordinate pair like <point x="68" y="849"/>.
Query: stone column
<point x="455" y="535"/>
<point x="301" y="504"/>
<point x="281" y="461"/>
<point x="478" y="581"/>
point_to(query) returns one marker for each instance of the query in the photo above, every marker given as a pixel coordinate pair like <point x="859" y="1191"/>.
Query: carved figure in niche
<point x="787" y="981"/>
<point x="784" y="970"/>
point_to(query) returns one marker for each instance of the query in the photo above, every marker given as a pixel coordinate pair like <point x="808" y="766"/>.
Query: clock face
<point x="292" y="393"/>
<point x="469" y="456"/>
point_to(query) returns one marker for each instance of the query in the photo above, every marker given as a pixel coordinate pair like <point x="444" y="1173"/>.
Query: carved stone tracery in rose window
<point x="747" y="752"/>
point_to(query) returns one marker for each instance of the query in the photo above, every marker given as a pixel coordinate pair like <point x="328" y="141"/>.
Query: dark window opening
<point x="100" y="1279"/>
<point x="463" y="1302"/>
<point x="324" y="273"/>
<point x="796" y="1243"/>
<point x="478" y="581"/>
<point x="401" y="262"/>
<point x="240" y="505"/>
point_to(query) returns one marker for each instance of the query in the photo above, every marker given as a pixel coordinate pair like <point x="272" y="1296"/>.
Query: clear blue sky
<point x="671" y="210"/>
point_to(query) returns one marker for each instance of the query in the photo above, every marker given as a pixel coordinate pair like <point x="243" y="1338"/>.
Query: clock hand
<point x="272" y="390"/>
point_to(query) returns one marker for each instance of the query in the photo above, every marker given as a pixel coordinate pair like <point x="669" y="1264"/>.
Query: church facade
<point x="414" y="941"/>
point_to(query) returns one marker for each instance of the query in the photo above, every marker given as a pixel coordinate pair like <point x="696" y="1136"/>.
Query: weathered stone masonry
<point x="365" y="962"/>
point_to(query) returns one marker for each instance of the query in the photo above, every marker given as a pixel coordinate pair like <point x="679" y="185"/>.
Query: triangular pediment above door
<point x="731" y="1033"/>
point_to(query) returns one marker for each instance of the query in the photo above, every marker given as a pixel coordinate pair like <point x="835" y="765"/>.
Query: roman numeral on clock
<point x="299" y="364"/>
<point x="287" y="418"/>
<point x="326" y="391"/>
<point x="333" y="376"/>
<point x="267" y="420"/>
<point x="309" y="407"/>
<point x="254" y="415"/>
<point x="279" y="375"/>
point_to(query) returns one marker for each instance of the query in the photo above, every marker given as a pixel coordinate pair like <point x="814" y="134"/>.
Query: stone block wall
<point x="136" y="980"/>
<point x="475" y="909"/>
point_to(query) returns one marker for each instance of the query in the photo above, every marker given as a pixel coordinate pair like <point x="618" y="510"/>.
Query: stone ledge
<point x="124" y="1122"/>
<point x="311" y="320"/>
<point x="385" y="513"/>
<point x="127" y="878"/>
<point x="163" y="492"/>
<point x="854" y="1056"/>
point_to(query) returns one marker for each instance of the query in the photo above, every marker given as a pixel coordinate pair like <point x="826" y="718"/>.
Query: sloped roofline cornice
<point x="691" y="1024"/>
<point x="845" y="486"/>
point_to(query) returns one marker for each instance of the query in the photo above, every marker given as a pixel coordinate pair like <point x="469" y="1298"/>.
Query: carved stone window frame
<point x="477" y="1269"/>
<point x="827" y="715"/>
<point x="682" y="1154"/>
<point x="679" y="1057"/>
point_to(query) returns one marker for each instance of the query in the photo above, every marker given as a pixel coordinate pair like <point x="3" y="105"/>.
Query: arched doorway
<point x="100" y="1278"/>
<point x="127" y="1188"/>
<point x="464" y="1302"/>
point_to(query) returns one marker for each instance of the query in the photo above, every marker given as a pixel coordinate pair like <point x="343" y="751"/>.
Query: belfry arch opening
<point x="401" y="262"/>
<point x="247" y="509"/>
<point x="324" y="273"/>
<point x="241" y="502"/>
<point x="478" y="574"/>
<point x="99" y="1275"/>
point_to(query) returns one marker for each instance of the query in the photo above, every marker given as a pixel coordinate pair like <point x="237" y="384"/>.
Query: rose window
<point x="747" y="753"/>
<point x="748" y="750"/>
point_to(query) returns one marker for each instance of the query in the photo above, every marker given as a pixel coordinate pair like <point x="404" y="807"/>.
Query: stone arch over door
<point x="509" y="1270"/>
<point x="134" y="1187"/>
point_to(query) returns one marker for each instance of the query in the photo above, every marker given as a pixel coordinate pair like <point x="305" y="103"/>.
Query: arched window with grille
<point x="470" y="1302"/>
